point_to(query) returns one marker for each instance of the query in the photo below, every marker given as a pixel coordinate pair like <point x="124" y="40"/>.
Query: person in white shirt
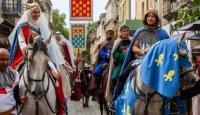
<point x="67" y="49"/>
<point x="9" y="79"/>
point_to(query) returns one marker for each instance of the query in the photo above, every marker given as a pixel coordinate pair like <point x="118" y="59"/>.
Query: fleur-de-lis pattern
<point x="168" y="77"/>
<point x="175" y="57"/>
<point x="160" y="59"/>
<point x="126" y="110"/>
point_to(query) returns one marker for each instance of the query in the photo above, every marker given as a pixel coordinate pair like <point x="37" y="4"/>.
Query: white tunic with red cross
<point x="7" y="100"/>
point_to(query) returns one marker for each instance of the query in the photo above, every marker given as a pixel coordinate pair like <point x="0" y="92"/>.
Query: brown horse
<point x="100" y="92"/>
<point x="102" y="99"/>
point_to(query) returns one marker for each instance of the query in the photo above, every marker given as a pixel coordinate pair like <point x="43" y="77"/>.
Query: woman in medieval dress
<point x="33" y="22"/>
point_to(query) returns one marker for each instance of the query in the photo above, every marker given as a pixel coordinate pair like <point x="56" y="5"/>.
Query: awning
<point x="195" y="26"/>
<point x="5" y="27"/>
<point x="6" y="23"/>
<point x="194" y="37"/>
<point x="133" y="25"/>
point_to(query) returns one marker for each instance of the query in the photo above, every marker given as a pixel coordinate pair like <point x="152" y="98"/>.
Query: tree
<point x="197" y="2"/>
<point x="91" y="29"/>
<point x="188" y="15"/>
<point x="59" y="23"/>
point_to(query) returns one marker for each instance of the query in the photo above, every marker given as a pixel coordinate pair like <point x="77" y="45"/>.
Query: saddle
<point x="92" y="86"/>
<point x="104" y="66"/>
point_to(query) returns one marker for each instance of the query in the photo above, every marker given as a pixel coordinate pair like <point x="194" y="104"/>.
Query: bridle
<point x="29" y="82"/>
<point x="148" y="96"/>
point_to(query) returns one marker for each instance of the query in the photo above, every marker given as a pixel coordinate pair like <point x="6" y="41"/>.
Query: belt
<point x="8" y="112"/>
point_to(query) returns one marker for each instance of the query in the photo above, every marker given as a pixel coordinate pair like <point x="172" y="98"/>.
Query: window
<point x="124" y="12"/>
<point x="11" y="8"/>
<point x="155" y="4"/>
<point x="142" y="9"/>
<point x="147" y="1"/>
<point x="151" y="6"/>
<point x="12" y="5"/>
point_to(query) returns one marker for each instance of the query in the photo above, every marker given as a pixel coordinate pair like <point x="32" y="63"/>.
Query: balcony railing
<point x="170" y="10"/>
<point x="13" y="9"/>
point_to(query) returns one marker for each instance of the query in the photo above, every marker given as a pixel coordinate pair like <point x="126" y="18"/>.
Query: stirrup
<point x="112" y="107"/>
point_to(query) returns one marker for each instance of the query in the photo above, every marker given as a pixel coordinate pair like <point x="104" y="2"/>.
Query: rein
<point x="37" y="97"/>
<point x="147" y="96"/>
<point x="185" y="73"/>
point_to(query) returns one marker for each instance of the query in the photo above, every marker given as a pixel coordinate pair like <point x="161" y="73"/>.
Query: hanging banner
<point x="81" y="10"/>
<point x="78" y="36"/>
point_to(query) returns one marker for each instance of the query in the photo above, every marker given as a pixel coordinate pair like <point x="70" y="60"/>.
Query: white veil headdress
<point x="41" y="23"/>
<point x="69" y="45"/>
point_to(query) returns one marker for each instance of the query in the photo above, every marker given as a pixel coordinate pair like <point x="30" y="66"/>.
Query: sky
<point x="63" y="6"/>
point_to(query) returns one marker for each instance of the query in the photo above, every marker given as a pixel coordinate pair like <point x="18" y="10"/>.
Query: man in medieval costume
<point x="118" y="54"/>
<point x="9" y="79"/>
<point x="85" y="78"/>
<point x="67" y="68"/>
<point x="67" y="50"/>
<point x="103" y="57"/>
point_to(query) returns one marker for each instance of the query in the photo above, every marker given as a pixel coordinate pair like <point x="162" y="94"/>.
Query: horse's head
<point x="37" y="64"/>
<point x="166" y="64"/>
<point x="187" y="76"/>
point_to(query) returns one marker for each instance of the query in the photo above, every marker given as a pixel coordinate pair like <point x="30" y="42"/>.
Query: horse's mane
<point x="39" y="45"/>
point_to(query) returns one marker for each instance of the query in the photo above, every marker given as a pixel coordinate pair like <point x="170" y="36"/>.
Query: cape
<point x="15" y="45"/>
<point x="108" y="94"/>
<point x="99" y="49"/>
<point x="161" y="35"/>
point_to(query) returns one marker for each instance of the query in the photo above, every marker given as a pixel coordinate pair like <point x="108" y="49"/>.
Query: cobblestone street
<point x="76" y="108"/>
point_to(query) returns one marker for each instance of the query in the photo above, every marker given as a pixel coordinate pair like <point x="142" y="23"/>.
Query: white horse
<point x="148" y="100"/>
<point x="36" y="82"/>
<point x="153" y="105"/>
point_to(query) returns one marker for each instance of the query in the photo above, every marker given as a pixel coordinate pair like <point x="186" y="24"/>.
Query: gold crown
<point x="153" y="10"/>
<point x="31" y="5"/>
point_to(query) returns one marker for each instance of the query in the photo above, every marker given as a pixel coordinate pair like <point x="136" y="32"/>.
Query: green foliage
<point x="91" y="28"/>
<point x="59" y="23"/>
<point x="187" y="16"/>
<point x="197" y="2"/>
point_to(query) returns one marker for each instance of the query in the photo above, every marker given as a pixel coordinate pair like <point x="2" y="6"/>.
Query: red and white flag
<point x="81" y="10"/>
<point x="78" y="63"/>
